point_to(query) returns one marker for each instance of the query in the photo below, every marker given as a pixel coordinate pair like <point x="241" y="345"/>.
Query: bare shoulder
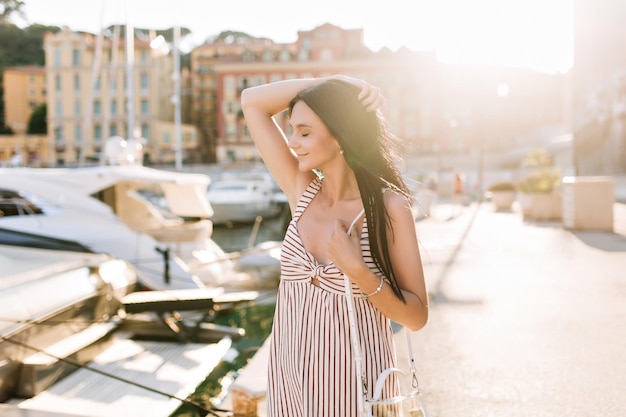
<point x="302" y="181"/>
<point x="402" y="225"/>
<point x="397" y="204"/>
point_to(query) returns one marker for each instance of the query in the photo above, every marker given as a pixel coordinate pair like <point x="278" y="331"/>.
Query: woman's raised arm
<point x="259" y="104"/>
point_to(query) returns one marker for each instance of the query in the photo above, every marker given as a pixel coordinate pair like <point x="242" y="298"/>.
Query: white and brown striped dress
<point x="311" y="366"/>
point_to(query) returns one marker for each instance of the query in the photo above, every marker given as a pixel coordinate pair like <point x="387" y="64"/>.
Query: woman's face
<point x="310" y="140"/>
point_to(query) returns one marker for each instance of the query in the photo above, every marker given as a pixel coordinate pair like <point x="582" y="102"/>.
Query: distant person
<point x="432" y="183"/>
<point x="336" y="169"/>
<point x="459" y="189"/>
<point x="459" y="194"/>
<point x="426" y="197"/>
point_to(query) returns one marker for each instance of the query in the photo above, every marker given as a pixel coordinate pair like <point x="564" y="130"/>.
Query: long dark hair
<point x="371" y="152"/>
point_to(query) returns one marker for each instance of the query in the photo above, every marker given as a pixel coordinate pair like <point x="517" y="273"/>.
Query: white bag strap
<point x="415" y="395"/>
<point x="358" y="358"/>
<point x="380" y="382"/>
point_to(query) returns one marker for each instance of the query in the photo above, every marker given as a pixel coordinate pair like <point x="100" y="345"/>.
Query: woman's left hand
<point x="345" y="250"/>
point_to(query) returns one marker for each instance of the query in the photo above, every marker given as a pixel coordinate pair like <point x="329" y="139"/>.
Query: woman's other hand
<point x="345" y="250"/>
<point x="371" y="96"/>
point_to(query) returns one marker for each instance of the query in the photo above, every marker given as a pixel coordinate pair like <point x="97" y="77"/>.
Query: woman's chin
<point x="304" y="167"/>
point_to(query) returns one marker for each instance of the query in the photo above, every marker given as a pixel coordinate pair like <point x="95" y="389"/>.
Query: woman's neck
<point x="338" y="188"/>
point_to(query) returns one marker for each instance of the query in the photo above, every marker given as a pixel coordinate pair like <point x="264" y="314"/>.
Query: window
<point x="231" y="133"/>
<point x="144" y="107"/>
<point x="58" y="108"/>
<point x="77" y="83"/>
<point x="229" y="84"/>
<point x="113" y="129"/>
<point x="303" y="55"/>
<point x="57" y="83"/>
<point x="166" y="138"/>
<point x="57" y="57"/>
<point x="144" y="81"/>
<point x="145" y="130"/>
<point x="97" y="134"/>
<point x="285" y="56"/>
<point x="97" y="107"/>
<point x="98" y="83"/>
<point x="248" y="56"/>
<point x="77" y="108"/>
<point x="78" y="133"/>
<point x="113" y="107"/>
<point x="75" y="58"/>
<point x="268" y="55"/>
<point x="58" y="135"/>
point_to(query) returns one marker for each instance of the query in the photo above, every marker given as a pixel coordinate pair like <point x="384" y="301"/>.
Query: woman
<point x="336" y="170"/>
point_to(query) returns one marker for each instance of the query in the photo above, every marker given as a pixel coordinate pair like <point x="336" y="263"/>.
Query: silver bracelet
<point x="376" y="291"/>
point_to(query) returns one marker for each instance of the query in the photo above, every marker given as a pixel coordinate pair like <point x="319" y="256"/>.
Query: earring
<point x="341" y="151"/>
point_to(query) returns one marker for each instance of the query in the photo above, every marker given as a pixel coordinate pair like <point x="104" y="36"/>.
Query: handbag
<point x="409" y="402"/>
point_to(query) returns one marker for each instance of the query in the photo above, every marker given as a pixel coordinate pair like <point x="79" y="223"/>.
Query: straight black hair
<point x="370" y="151"/>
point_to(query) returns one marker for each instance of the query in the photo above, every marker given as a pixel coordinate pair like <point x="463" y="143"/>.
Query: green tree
<point x="4" y="129"/>
<point x="9" y="7"/>
<point x="19" y="47"/>
<point x="37" y="124"/>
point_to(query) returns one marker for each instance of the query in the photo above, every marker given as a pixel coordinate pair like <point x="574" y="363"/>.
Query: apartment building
<point x="599" y="87"/>
<point x="227" y="47"/>
<point x="89" y="98"/>
<point x="222" y="70"/>
<point x="435" y="109"/>
<point x="24" y="91"/>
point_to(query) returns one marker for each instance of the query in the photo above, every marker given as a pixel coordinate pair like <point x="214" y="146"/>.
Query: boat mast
<point x="130" y="61"/>
<point x="87" y="127"/>
<point x="176" y="100"/>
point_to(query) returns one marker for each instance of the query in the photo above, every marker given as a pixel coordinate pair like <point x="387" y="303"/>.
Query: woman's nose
<point x="293" y="142"/>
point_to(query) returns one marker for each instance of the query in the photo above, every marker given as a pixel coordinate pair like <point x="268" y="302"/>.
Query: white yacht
<point x="158" y="220"/>
<point x="244" y="197"/>
<point x="72" y="322"/>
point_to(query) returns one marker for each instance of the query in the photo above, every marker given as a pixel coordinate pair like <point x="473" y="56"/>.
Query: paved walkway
<point x="527" y="318"/>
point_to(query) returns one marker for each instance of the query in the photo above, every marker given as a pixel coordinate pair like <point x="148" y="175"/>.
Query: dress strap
<point x="358" y="216"/>
<point x="306" y="197"/>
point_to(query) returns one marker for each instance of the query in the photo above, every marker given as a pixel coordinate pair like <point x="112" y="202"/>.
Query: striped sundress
<point x="311" y="365"/>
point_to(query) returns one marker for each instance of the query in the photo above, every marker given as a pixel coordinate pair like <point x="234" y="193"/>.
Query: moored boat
<point x="242" y="198"/>
<point x="158" y="220"/>
<point x="47" y="297"/>
<point x="76" y="335"/>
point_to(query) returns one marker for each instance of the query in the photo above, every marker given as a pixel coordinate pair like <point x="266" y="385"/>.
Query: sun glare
<point x="535" y="34"/>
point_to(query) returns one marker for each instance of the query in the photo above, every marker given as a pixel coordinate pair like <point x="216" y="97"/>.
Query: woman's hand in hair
<point x="371" y="96"/>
